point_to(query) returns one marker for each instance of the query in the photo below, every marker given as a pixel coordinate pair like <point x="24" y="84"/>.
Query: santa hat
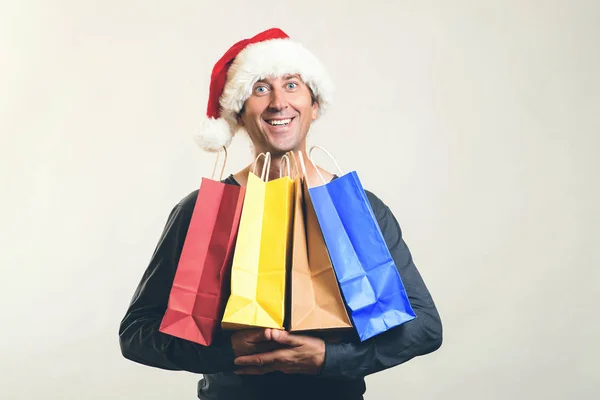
<point x="269" y="54"/>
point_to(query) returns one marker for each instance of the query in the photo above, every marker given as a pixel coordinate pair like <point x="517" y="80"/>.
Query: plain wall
<point x="476" y="122"/>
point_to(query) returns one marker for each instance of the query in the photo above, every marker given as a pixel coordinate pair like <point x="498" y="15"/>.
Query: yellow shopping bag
<point x="262" y="253"/>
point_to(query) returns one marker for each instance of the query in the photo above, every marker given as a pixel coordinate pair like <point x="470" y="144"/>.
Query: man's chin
<point x="279" y="148"/>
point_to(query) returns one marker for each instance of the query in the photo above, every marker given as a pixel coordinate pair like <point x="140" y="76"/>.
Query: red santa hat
<point x="269" y="54"/>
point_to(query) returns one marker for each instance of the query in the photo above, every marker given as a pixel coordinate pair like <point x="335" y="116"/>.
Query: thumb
<point x="284" y="337"/>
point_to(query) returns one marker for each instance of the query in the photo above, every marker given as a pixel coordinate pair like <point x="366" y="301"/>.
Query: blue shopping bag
<point x="369" y="280"/>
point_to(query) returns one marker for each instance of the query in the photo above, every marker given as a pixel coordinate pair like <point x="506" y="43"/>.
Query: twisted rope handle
<point x="287" y="159"/>
<point x="266" y="165"/>
<point x="310" y="157"/>
<point x="216" y="162"/>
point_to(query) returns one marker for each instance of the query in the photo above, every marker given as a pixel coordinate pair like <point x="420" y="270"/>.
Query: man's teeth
<point x="280" y="122"/>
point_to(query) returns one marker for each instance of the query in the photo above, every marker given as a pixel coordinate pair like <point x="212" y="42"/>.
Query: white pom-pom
<point x="213" y="134"/>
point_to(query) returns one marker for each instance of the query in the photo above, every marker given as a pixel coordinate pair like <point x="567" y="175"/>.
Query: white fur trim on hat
<point x="214" y="134"/>
<point x="273" y="58"/>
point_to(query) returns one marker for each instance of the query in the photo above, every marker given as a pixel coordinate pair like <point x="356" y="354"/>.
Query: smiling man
<point x="277" y="117"/>
<point x="271" y="89"/>
<point x="278" y="112"/>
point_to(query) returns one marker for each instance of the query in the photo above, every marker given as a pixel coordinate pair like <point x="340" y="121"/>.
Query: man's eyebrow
<point x="284" y="77"/>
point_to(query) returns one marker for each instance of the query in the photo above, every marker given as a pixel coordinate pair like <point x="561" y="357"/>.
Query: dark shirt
<point x="347" y="362"/>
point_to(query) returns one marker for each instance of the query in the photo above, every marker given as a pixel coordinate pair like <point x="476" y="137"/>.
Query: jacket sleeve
<point x="417" y="337"/>
<point x="139" y="337"/>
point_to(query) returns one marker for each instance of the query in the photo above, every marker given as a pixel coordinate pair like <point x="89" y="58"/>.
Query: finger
<point x="265" y="347"/>
<point x="256" y="335"/>
<point x="287" y="338"/>
<point x="255" y="370"/>
<point x="268" y="334"/>
<point x="261" y="359"/>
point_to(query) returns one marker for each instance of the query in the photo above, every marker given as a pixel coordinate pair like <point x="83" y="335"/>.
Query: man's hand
<point x="252" y="341"/>
<point x="301" y="355"/>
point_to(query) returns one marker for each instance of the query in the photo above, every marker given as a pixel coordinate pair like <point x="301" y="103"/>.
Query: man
<point x="273" y="89"/>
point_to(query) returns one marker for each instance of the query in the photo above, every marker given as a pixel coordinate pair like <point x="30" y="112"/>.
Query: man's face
<point x="278" y="114"/>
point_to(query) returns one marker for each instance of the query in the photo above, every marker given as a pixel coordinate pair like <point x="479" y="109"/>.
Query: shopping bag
<point x="369" y="280"/>
<point x="262" y="254"/>
<point x="201" y="283"/>
<point x="316" y="301"/>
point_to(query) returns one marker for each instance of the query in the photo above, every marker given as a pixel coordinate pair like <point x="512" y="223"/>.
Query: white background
<point x="477" y="122"/>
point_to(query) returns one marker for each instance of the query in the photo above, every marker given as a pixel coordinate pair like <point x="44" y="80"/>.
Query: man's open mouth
<point x="279" y="122"/>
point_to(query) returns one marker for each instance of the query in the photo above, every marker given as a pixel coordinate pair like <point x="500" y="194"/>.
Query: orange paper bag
<point x="316" y="300"/>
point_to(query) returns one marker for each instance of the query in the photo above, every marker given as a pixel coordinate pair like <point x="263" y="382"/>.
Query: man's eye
<point x="292" y="85"/>
<point x="261" y="89"/>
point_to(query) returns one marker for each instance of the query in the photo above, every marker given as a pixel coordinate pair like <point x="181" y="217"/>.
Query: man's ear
<point x="239" y="119"/>
<point x="315" y="110"/>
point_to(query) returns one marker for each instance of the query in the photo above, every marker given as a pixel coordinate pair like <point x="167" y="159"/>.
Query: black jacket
<point x="346" y="362"/>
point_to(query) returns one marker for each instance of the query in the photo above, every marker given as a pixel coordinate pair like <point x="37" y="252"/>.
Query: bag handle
<point x="310" y="157"/>
<point x="293" y="157"/>
<point x="287" y="159"/>
<point x="302" y="165"/>
<point x="266" y="165"/>
<point x="216" y="162"/>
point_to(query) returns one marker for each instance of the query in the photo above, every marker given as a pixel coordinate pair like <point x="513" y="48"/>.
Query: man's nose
<point x="278" y="100"/>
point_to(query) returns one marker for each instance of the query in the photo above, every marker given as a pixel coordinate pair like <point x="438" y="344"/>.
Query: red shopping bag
<point x="201" y="284"/>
